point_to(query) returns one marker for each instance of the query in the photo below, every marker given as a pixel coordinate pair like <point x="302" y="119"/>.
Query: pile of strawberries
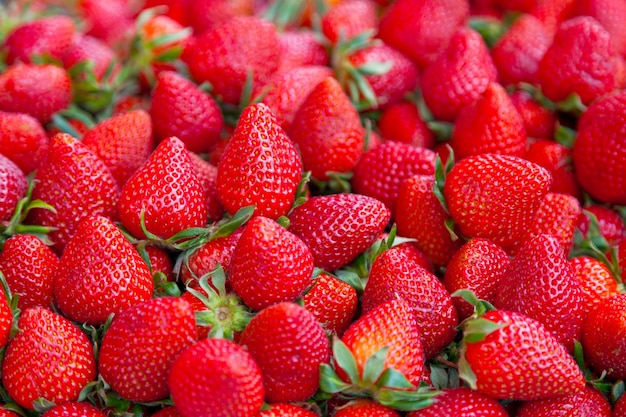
<point x="263" y="208"/>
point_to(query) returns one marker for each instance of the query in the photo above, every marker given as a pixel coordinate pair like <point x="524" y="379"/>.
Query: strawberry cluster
<point x="311" y="208"/>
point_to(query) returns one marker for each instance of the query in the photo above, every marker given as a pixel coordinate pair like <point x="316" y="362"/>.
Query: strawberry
<point x="491" y="124"/>
<point x="589" y="402"/>
<point x="420" y="28"/>
<point x="457" y="76"/>
<point x="337" y="228"/>
<point x="462" y="402"/>
<point x="541" y="284"/>
<point x="610" y="224"/>
<point x="402" y="122"/>
<point x="557" y="159"/>
<point x="381" y="171"/>
<point x="507" y="355"/>
<point x="100" y="273"/>
<point x="207" y="174"/>
<point x="216" y="377"/>
<point x="395" y="274"/>
<point x="12" y="189"/>
<point x="269" y="264"/>
<point x="327" y="131"/>
<point x="580" y="60"/>
<point x="604" y="337"/>
<point x="23" y="86"/>
<point x="74" y="409"/>
<point x="170" y="411"/>
<point x="364" y="407"/>
<point x="348" y="19"/>
<point x="495" y="196"/>
<point x="123" y="142"/>
<point x="420" y="216"/>
<point x="29" y="268"/>
<point x="286" y="410"/>
<point x="599" y="154"/>
<point x="180" y="108"/>
<point x="226" y="56"/>
<point x="7" y="305"/>
<point x="8" y="413"/>
<point x="260" y="166"/>
<point x="204" y="15"/>
<point x="333" y="303"/>
<point x="411" y="250"/>
<point x="301" y="48"/>
<point x="477" y="266"/>
<point x="609" y="14"/>
<point x="166" y="191"/>
<point x="77" y="184"/>
<point x="539" y="121"/>
<point x="620" y="407"/>
<point x="48" y="347"/>
<point x="552" y="13"/>
<point x="596" y="281"/>
<point x="97" y="55"/>
<point x="23" y="140"/>
<point x="277" y="334"/>
<point x="45" y="36"/>
<point x="141" y="344"/>
<point x="204" y="259"/>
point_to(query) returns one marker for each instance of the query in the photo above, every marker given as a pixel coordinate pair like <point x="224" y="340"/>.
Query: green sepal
<point x="480" y="306"/>
<point x="375" y="68"/>
<point x="572" y="105"/>
<point x="375" y="365"/>
<point x="579" y="357"/>
<point x="283" y="221"/>
<point x="301" y="190"/>
<point x="330" y="381"/>
<point x="351" y="278"/>
<point x="564" y="135"/>
<point x="392" y="378"/>
<point x="409" y="400"/>
<point x="617" y="390"/>
<point x="345" y="360"/>
<point x="441" y="173"/>
<point x="229" y="225"/>
<point x="477" y="329"/>
<point x="41" y="405"/>
<point x="284" y="13"/>
<point x="466" y="373"/>
<point x="441" y="130"/>
<point x="490" y="29"/>
<point x="169" y="38"/>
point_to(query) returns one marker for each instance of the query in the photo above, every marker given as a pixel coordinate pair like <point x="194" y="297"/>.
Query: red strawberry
<point x="286" y="410"/>
<point x="276" y="335"/>
<point x="421" y="28"/>
<point x="421" y="216"/>
<point x="6" y="317"/>
<point x="348" y="19"/>
<point x="139" y="348"/>
<point x="620" y="407"/>
<point x="552" y="13"/>
<point x="204" y="15"/>
<point x="604" y="337"/>
<point x="23" y="85"/>
<point x="216" y="377"/>
<point x="301" y="48"/>
<point x="458" y="76"/>
<point x="29" y="267"/>
<point x="539" y="121"/>
<point x="204" y="259"/>
<point x="495" y="196"/>
<point x="395" y="274"/>
<point x="45" y="36"/>
<point x="581" y="60"/>
<point x="364" y="407"/>
<point x="228" y="54"/>
<point x="477" y="266"/>
<point x="609" y="14"/>
<point x="23" y="140"/>
<point x="508" y="355"/>
<point x="87" y="49"/>
<point x="596" y="281"/>
<point x="610" y="224"/>
<point x="381" y="171"/>
<point x="557" y="159"/>
<point x="333" y="303"/>
<point x="337" y="228"/>
<point x="48" y="347"/>
<point x="541" y="284"/>
<point x="74" y="409"/>
<point x="167" y="191"/>
<point x="327" y="131"/>
<point x="589" y="402"/>
<point x="180" y="108"/>
<point x="207" y="174"/>
<point x="168" y="412"/>
<point x="123" y="142"/>
<point x="599" y="152"/>
<point x="100" y="273"/>
<point x="462" y="402"/>
<point x="8" y="413"/>
<point x="260" y="166"/>
<point x="13" y="186"/>
<point x="160" y="262"/>
<point x="110" y="21"/>
<point x="77" y="184"/>
<point x="402" y="122"/>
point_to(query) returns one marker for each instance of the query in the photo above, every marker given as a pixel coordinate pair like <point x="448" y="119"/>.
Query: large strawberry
<point x="43" y="37"/>
<point x="269" y="264"/>
<point x="165" y="192"/>
<point x="338" y="227"/>
<point x="277" y="334"/>
<point x="462" y="402"/>
<point x="48" y="347"/>
<point x="140" y="346"/>
<point x="23" y="140"/>
<point x="100" y="273"/>
<point x="260" y="166"/>
<point x="216" y="377"/>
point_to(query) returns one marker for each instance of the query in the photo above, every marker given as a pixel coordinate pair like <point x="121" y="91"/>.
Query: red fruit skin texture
<point x="458" y="76"/>
<point x="7" y="413"/>
<point x="168" y="412"/>
<point x="337" y="228"/>
<point x="539" y="121"/>
<point x="48" y="347"/>
<point x="522" y="361"/>
<point x="6" y="320"/>
<point x="29" y="268"/>
<point x="365" y="407"/>
<point x="216" y="377"/>
<point x="588" y="402"/>
<point x="580" y="60"/>
<point x="495" y="197"/>
<point x="604" y="337"/>
<point x="620" y="407"/>
<point x="260" y="166"/>
<point x="204" y="15"/>
<point x="48" y="36"/>
<point x="286" y="410"/>
<point x="207" y="174"/>
<point x="23" y="140"/>
<point x="278" y="335"/>
<point x="86" y="48"/>
<point x="74" y="409"/>
<point x="160" y="262"/>
<point x="167" y="189"/>
<point x="557" y="159"/>
<point x="610" y="14"/>
<point x="208" y="256"/>
<point x="596" y="281"/>
<point x="269" y="264"/>
<point x="13" y="185"/>
<point x="599" y="152"/>
<point x="462" y="402"/>
<point x="348" y="19"/>
<point x="139" y="348"/>
<point x="300" y="48"/>
<point x="611" y="225"/>
<point x="100" y="273"/>
<point x="402" y="122"/>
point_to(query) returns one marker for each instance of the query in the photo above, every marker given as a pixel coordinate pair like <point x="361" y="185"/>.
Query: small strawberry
<point x="610" y="224"/>
<point x="13" y="187"/>
<point x="462" y="402"/>
<point x="348" y="19"/>
<point x="364" y="407"/>
<point x="160" y="263"/>
<point x="216" y="251"/>
<point x="279" y="333"/>
<point x="260" y="166"/>
<point x="74" y="409"/>
<point x="48" y="347"/>
<point x="339" y="227"/>
<point x="216" y="377"/>
<point x="539" y="121"/>
<point x="43" y="37"/>
<point x="94" y="54"/>
<point x="402" y="122"/>
<point x="557" y="159"/>
<point x="23" y="140"/>
<point x="588" y="402"/>
<point x="100" y="273"/>
<point x="286" y="410"/>
<point x="596" y="281"/>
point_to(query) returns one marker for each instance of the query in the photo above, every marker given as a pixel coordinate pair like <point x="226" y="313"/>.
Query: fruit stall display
<point x="263" y="208"/>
